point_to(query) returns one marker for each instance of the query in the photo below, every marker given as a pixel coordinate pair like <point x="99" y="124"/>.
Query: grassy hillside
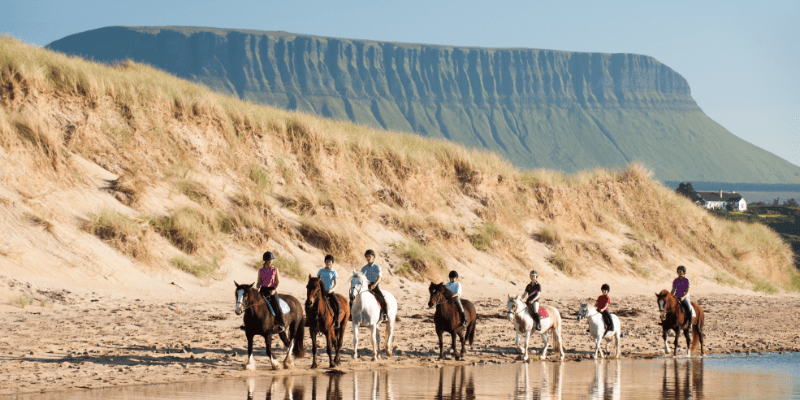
<point x="200" y="179"/>
<point x="561" y="110"/>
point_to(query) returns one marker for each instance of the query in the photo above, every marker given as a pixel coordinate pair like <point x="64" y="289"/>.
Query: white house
<point x="719" y="200"/>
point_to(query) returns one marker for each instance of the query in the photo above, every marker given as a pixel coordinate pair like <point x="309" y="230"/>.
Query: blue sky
<point x="741" y="58"/>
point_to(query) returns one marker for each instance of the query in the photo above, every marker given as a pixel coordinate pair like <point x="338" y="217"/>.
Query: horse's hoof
<point x="543" y="357"/>
<point x="374" y="358"/>
<point x="250" y="367"/>
<point x="314" y="366"/>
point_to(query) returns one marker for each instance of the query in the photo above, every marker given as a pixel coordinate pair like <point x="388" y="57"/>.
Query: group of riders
<point x="268" y="280"/>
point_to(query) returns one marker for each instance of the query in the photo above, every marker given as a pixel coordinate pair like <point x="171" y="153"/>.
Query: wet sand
<point x="90" y="340"/>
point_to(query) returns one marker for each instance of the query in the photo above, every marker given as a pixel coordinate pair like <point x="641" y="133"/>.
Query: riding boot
<point x="463" y="318"/>
<point x="279" y="325"/>
<point x="337" y="312"/>
<point x="537" y="319"/>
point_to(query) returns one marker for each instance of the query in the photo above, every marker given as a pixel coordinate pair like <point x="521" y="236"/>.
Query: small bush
<point x="200" y="268"/>
<point x="725" y="279"/>
<point x="634" y="251"/>
<point x="23" y="301"/>
<point x="549" y="236"/>
<point x="763" y="285"/>
<point x="289" y="267"/>
<point x="130" y="186"/>
<point x="561" y="262"/>
<point x="260" y="178"/>
<point x="189" y="229"/>
<point x="195" y="191"/>
<point x="332" y="239"/>
<point x="485" y="235"/>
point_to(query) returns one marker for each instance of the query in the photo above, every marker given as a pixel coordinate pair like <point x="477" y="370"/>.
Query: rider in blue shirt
<point x="373" y="273"/>
<point x="455" y="288"/>
<point x="329" y="280"/>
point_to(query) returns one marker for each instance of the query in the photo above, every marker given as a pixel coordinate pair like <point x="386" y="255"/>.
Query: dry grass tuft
<point x="189" y="229"/>
<point x="130" y="236"/>
<point x="328" y="236"/>
<point x="199" y="267"/>
<point x="421" y="261"/>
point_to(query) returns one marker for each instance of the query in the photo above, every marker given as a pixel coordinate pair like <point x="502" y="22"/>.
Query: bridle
<point x="240" y="301"/>
<point x="358" y="288"/>
<point x="437" y="296"/>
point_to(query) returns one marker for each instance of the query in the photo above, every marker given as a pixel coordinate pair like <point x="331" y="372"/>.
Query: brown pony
<point x="673" y="318"/>
<point x="321" y="319"/>
<point x="447" y="318"/>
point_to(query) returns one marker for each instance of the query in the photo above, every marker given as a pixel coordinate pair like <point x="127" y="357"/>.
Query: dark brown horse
<point x="447" y="318"/>
<point x="321" y="319"/>
<point x="258" y="320"/>
<point x="674" y="318"/>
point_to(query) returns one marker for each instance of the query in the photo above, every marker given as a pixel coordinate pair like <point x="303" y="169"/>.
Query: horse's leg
<point x="666" y="344"/>
<point x="331" y="337"/>
<point x="373" y="329"/>
<point x="527" y="343"/>
<point x="560" y="344"/>
<point x="687" y="335"/>
<point x="597" y="345"/>
<point x="546" y="341"/>
<point x="439" y="332"/>
<point x="313" y="333"/>
<point x="389" y="334"/>
<point x="463" y="336"/>
<point x="516" y="343"/>
<point x="288" y="362"/>
<point x="677" y="336"/>
<point x="268" y="341"/>
<point x="699" y="335"/>
<point x="355" y="340"/>
<point x="251" y="363"/>
<point x="617" y="336"/>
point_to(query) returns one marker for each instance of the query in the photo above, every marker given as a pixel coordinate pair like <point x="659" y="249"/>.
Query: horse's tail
<point x="299" y="350"/>
<point x="471" y="331"/>
<point x="697" y="329"/>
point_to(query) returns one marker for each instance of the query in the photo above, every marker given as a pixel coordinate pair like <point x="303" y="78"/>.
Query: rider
<point x="680" y="289"/>
<point x="373" y="273"/>
<point x="531" y="296"/>
<point x="329" y="277"/>
<point x="602" y="306"/>
<point x="267" y="284"/>
<point x="455" y="288"/>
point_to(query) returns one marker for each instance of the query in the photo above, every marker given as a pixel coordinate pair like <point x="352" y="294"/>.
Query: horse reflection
<point x="688" y="387"/>
<point x="375" y="389"/>
<point x="463" y="388"/>
<point x="549" y="389"/>
<point x="604" y="386"/>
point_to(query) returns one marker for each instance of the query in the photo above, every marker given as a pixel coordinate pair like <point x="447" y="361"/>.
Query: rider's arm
<point x="687" y="292"/>
<point x="333" y="284"/>
<point x="277" y="279"/>
<point x="258" y="279"/>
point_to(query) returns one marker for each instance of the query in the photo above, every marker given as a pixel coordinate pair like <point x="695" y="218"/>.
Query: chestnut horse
<point x="258" y="320"/>
<point x="673" y="318"/>
<point x="321" y="319"/>
<point x="447" y="318"/>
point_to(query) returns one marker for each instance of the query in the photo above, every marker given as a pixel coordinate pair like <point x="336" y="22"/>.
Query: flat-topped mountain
<point x="539" y="108"/>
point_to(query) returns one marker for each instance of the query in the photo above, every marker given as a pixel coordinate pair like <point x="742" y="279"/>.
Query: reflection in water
<point x="683" y="385"/>
<point x="458" y="390"/>
<point x="605" y="386"/>
<point x="550" y="387"/>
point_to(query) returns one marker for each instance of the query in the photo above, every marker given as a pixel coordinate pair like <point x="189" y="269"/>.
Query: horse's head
<point x="358" y="284"/>
<point x="243" y="294"/>
<point x="313" y="289"/>
<point x="439" y="294"/>
<point x="514" y="305"/>
<point x="663" y="300"/>
<point x="583" y="311"/>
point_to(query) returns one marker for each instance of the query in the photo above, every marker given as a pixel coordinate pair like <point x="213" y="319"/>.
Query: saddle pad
<point x="283" y="305"/>
<point x="543" y="312"/>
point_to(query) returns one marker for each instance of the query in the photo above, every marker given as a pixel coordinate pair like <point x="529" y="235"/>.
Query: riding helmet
<point x="605" y="287"/>
<point x="369" y="253"/>
<point x="534" y="272"/>
<point x="329" y="257"/>
<point x="681" y="267"/>
<point x="453" y="274"/>
<point x="268" y="256"/>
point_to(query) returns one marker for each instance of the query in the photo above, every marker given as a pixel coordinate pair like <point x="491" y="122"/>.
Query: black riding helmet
<point x="605" y="287"/>
<point x="268" y="256"/>
<point x="453" y="274"/>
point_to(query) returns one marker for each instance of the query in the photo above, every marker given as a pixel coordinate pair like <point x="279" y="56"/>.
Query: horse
<point x="523" y="324"/>
<point x="321" y="319"/>
<point x="596" y="325"/>
<point x="259" y="321"/>
<point x="366" y="312"/>
<point x="672" y="318"/>
<point x="447" y="318"/>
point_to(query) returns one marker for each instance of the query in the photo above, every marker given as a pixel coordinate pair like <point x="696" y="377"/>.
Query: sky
<point x="741" y="58"/>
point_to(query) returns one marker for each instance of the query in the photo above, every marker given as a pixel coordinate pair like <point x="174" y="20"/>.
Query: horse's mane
<point x="358" y="274"/>
<point x="447" y="293"/>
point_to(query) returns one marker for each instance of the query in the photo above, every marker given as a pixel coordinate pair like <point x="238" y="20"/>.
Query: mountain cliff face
<point x="539" y="108"/>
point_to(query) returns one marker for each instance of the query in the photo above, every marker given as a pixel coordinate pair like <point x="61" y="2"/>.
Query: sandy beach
<point x="80" y="339"/>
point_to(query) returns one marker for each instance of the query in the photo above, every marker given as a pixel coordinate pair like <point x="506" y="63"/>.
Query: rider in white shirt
<point x="455" y="288"/>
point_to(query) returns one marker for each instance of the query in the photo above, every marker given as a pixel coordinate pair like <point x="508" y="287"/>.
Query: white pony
<point x="595" y="320"/>
<point x="523" y="323"/>
<point x="366" y="311"/>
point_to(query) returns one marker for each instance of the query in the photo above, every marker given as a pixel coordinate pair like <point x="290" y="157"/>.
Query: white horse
<point x="366" y="312"/>
<point x="595" y="320"/>
<point x="523" y="323"/>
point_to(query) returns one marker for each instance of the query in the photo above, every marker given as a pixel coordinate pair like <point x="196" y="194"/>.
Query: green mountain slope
<point x="539" y="108"/>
